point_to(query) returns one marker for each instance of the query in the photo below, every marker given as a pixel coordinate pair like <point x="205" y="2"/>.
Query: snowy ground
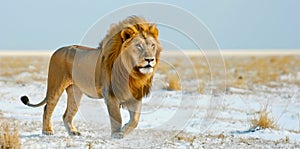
<point x="170" y="119"/>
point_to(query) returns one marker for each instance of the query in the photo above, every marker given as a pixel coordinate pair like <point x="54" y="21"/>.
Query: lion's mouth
<point x="148" y="66"/>
<point x="146" y="69"/>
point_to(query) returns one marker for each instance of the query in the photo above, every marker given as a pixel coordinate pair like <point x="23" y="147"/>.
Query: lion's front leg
<point x="134" y="109"/>
<point x="113" y="108"/>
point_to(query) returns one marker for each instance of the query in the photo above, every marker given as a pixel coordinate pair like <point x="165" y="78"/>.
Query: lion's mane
<point x="138" y="84"/>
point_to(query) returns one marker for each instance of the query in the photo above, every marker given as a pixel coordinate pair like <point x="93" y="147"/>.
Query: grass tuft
<point x="264" y="120"/>
<point x="89" y="145"/>
<point x="9" y="138"/>
<point x="201" y="87"/>
<point x="174" y="83"/>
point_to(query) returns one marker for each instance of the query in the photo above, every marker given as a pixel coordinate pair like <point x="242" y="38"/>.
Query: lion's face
<point x="143" y="52"/>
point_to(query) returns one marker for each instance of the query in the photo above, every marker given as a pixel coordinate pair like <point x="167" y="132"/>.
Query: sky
<point x="233" y="24"/>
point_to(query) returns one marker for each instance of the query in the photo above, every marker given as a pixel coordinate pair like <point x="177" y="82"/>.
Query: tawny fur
<point x="111" y="71"/>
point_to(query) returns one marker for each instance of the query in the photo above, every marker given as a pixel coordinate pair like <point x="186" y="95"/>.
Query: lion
<point x="120" y="70"/>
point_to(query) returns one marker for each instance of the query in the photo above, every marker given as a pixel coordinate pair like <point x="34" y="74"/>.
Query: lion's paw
<point x="75" y="133"/>
<point x="117" y="135"/>
<point x="48" y="132"/>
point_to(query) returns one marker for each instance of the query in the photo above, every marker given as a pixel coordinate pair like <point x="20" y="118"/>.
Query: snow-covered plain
<point x="170" y="119"/>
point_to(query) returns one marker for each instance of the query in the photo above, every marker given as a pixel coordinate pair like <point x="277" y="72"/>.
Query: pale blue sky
<point x="235" y="24"/>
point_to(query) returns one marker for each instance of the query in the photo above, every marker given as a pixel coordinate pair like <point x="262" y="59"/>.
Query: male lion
<point x="120" y="70"/>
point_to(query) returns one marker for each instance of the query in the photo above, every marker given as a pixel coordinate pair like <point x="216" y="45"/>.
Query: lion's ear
<point x="127" y="34"/>
<point x="153" y="31"/>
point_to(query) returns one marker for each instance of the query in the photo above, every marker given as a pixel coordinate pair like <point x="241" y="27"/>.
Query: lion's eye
<point x="139" y="46"/>
<point x="153" y="46"/>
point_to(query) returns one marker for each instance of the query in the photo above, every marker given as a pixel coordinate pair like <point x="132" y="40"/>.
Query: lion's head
<point x="135" y="42"/>
<point x="141" y="48"/>
<point x="132" y="52"/>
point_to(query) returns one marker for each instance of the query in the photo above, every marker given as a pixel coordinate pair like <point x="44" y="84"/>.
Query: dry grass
<point x="201" y="87"/>
<point x="90" y="145"/>
<point x="31" y="63"/>
<point x="244" y="71"/>
<point x="9" y="138"/>
<point x="186" y="138"/>
<point x="192" y="68"/>
<point x="16" y="67"/>
<point x="174" y="83"/>
<point x="264" y="120"/>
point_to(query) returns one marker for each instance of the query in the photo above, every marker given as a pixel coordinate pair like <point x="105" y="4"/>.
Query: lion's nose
<point x="149" y="59"/>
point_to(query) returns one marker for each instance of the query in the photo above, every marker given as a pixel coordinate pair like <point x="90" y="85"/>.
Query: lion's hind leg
<point x="74" y="98"/>
<point x="52" y="99"/>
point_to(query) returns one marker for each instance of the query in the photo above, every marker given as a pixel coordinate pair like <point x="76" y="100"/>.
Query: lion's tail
<point x="25" y="100"/>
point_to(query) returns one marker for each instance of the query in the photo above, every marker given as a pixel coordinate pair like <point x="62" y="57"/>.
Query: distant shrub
<point x="201" y="87"/>
<point x="174" y="83"/>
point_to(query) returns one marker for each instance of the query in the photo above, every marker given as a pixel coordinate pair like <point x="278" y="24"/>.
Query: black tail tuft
<point x="25" y="100"/>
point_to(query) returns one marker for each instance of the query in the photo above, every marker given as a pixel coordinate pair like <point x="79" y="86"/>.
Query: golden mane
<point x="111" y="47"/>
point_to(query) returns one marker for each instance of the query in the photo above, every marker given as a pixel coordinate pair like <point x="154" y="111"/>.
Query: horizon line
<point x="173" y="52"/>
